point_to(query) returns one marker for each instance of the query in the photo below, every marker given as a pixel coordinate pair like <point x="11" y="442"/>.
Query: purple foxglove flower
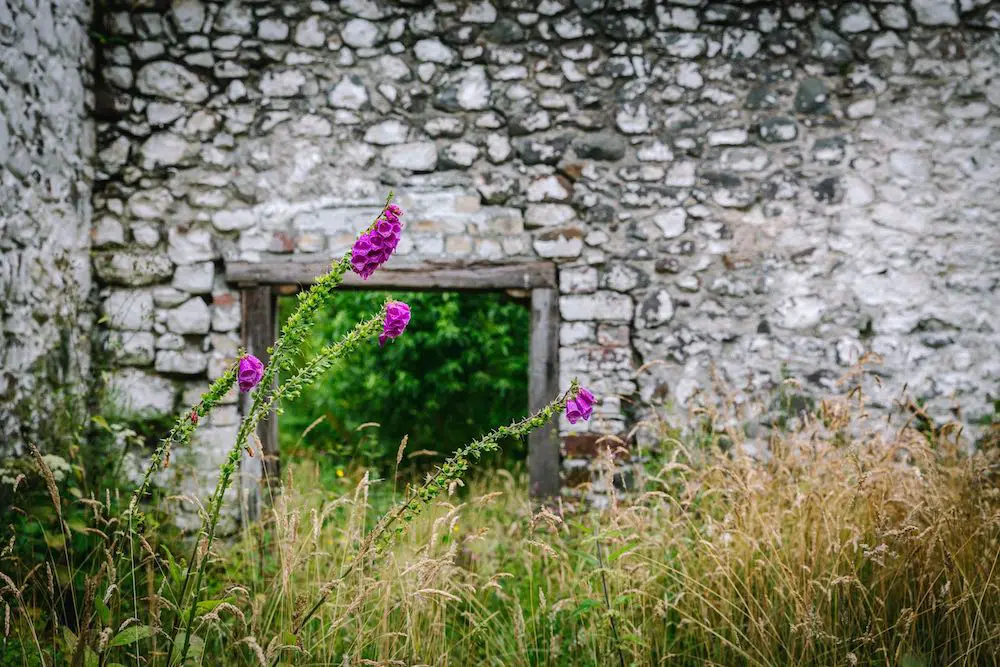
<point x="580" y="407"/>
<point x="251" y="371"/>
<point x="397" y="316"/>
<point x="375" y="247"/>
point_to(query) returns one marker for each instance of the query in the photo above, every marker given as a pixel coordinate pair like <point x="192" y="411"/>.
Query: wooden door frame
<point x="260" y="284"/>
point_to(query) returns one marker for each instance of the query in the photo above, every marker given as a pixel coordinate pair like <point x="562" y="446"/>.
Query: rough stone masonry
<point x="47" y="143"/>
<point x="741" y="190"/>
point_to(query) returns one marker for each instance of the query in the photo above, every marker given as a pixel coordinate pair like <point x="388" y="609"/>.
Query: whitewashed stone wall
<point x="46" y="150"/>
<point x="745" y="189"/>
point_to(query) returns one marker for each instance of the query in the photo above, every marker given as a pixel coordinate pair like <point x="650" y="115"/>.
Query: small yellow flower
<point x="340" y="472"/>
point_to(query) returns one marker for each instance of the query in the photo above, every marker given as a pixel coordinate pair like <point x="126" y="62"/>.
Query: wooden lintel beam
<point x="413" y="276"/>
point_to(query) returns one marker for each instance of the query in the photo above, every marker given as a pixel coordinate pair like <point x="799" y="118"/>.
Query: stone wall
<point x="47" y="143"/>
<point x="743" y="190"/>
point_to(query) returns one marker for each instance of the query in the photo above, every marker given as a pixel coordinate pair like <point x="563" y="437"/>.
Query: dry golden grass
<point x="839" y="549"/>
<point x="852" y="542"/>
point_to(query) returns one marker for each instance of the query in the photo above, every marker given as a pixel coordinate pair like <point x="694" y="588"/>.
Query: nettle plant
<point x="108" y="622"/>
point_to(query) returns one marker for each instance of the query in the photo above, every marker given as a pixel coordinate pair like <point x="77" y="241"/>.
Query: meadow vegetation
<point x="816" y="536"/>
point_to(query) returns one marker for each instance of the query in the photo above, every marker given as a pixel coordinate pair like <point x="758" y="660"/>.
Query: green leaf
<point x="131" y="635"/>
<point x="55" y="540"/>
<point x="90" y="658"/>
<point x="196" y="648"/>
<point x="103" y="611"/>
<point x="206" y="606"/>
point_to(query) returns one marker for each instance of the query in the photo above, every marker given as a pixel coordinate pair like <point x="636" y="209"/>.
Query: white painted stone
<point x="232" y="220"/>
<point x="682" y="174"/>
<point x="191" y="317"/>
<point x="164" y="150"/>
<point x="602" y="306"/>
<point x="108" y="231"/>
<point x="132" y="348"/>
<point x="655" y="152"/>
<point x="861" y="109"/>
<point x="130" y="310"/>
<point x="736" y="136"/>
<point x="171" y="81"/>
<point x="672" y="222"/>
<point x="234" y="17"/>
<point x="935" y="12"/>
<point x="309" y="34"/>
<point x="620" y="277"/>
<point x="548" y="189"/>
<point x="182" y="362"/>
<point x="272" y="30"/>
<point x="187" y="246"/>
<point x="392" y="131"/>
<point x="415" y="156"/>
<point x="498" y="148"/>
<point x="560" y="244"/>
<point x="433" y="51"/>
<point x="474" y="89"/>
<point x="854" y="18"/>
<point x="188" y="15"/>
<point x="578" y="280"/>
<point x="360" y="33"/>
<point x="801" y="312"/>
<point x="136" y="392"/>
<point x="461" y="153"/>
<point x="349" y="93"/>
<point x="633" y="119"/>
<point x="194" y="278"/>
<point x="548" y="215"/>
<point x="287" y="83"/>
<point x="479" y="12"/>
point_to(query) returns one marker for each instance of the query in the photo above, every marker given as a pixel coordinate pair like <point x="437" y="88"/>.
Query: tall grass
<point x="877" y="549"/>
<point x="846" y="545"/>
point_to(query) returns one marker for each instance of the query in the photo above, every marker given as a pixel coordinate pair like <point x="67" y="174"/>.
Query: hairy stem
<point x="453" y="469"/>
<point x="303" y="378"/>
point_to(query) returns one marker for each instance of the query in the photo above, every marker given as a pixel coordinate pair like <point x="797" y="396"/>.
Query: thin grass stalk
<point x="452" y="470"/>
<point x="282" y="355"/>
<point x="310" y="372"/>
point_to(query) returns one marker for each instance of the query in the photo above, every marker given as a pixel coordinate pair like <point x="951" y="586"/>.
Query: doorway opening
<point x="262" y="282"/>
<point x="460" y="370"/>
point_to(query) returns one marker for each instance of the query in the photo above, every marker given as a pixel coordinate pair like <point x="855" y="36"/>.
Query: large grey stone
<point x="360" y="33"/>
<point x="392" y="131"/>
<point x="191" y="317"/>
<point x="122" y="267"/>
<point x="656" y="310"/>
<point x="135" y="392"/>
<point x="181" y="362"/>
<point x="349" y="93"/>
<point x="187" y="15"/>
<point x="600" y="306"/>
<point x="603" y="146"/>
<point x="415" y="156"/>
<point x="129" y="309"/>
<point x="171" y="81"/>
<point x="194" y="278"/>
<point x="935" y="12"/>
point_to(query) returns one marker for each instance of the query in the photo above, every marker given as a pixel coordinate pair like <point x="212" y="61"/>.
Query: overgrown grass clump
<point x="851" y="543"/>
<point x="873" y="549"/>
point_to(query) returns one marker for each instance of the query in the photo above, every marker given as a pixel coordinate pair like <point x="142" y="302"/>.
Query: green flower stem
<point x="182" y="432"/>
<point x="299" y="323"/>
<point x="452" y="470"/>
<point x="290" y="389"/>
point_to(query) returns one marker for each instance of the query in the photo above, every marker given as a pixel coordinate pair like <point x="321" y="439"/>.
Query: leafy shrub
<point x="462" y="363"/>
